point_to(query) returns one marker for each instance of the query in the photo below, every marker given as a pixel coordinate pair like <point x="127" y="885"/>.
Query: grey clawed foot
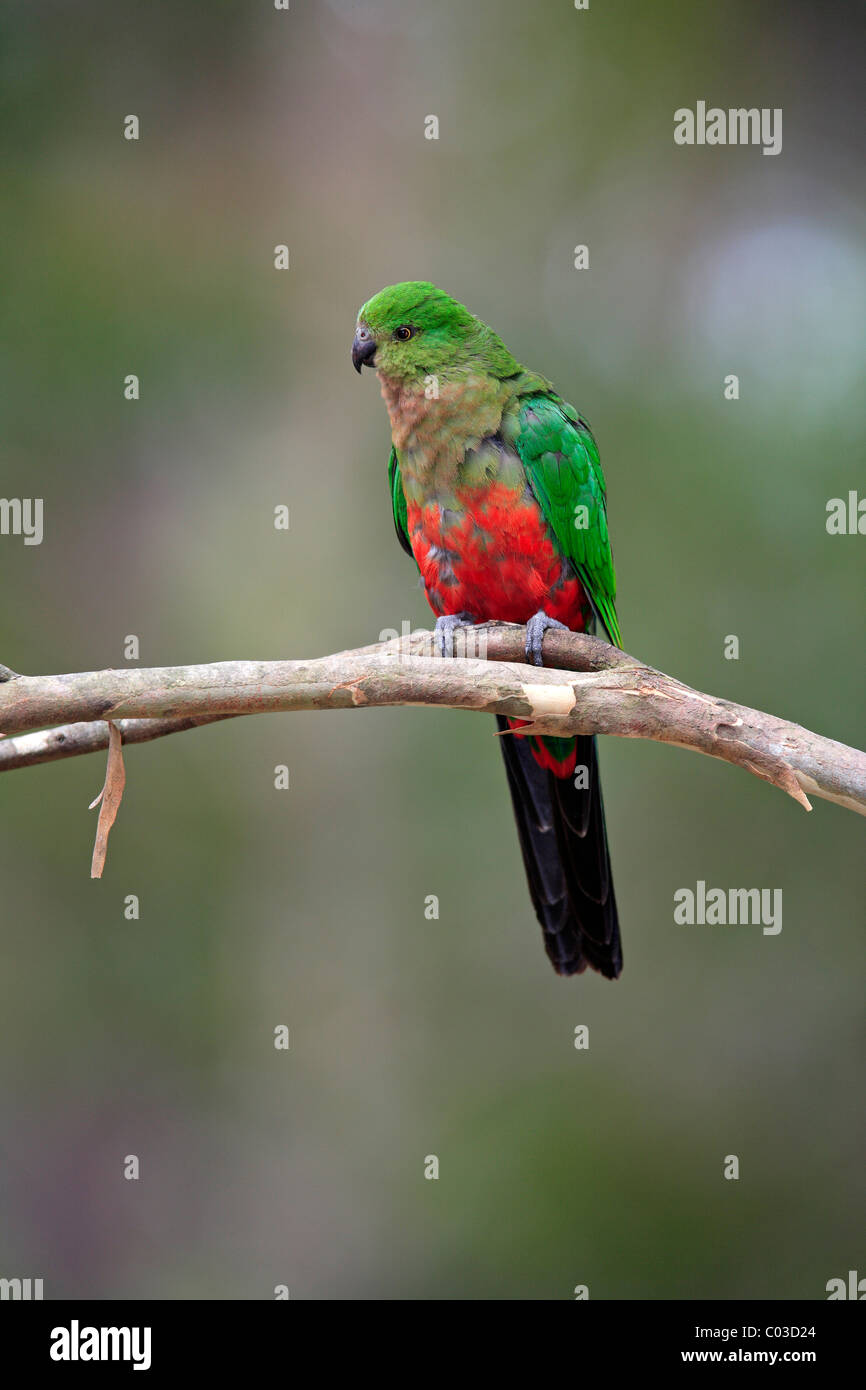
<point x="445" y="627"/>
<point x="535" y="630"/>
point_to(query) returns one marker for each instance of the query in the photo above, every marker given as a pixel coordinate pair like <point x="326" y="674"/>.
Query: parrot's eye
<point x="404" y="333"/>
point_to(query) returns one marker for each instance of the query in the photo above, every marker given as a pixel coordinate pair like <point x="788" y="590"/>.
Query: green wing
<point x="562" y="464"/>
<point x="398" y="502"/>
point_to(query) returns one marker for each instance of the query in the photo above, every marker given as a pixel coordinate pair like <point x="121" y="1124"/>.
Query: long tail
<point x="564" y="843"/>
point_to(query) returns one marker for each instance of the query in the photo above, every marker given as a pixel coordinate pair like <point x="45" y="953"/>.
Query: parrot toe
<point x="535" y="630"/>
<point x="445" y="627"/>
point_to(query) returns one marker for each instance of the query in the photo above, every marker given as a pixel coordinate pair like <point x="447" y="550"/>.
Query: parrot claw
<point x="445" y="627"/>
<point x="535" y="630"/>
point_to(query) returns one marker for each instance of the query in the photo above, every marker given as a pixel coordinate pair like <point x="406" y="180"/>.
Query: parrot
<point x="498" y="496"/>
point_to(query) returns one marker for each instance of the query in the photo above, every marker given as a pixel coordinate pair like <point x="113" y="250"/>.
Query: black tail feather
<point x="564" y="843"/>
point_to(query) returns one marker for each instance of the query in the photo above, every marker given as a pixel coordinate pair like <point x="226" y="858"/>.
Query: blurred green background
<point x="306" y="907"/>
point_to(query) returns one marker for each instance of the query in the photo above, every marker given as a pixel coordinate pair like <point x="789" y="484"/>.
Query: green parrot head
<point x="413" y="330"/>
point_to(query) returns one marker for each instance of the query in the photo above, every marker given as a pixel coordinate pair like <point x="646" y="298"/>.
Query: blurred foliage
<point x="412" y="1037"/>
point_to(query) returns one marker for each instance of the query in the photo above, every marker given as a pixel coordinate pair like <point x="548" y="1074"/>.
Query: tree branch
<point x="587" y="687"/>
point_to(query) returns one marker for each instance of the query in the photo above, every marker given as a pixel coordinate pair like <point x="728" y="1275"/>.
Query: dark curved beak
<point x="363" y="349"/>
